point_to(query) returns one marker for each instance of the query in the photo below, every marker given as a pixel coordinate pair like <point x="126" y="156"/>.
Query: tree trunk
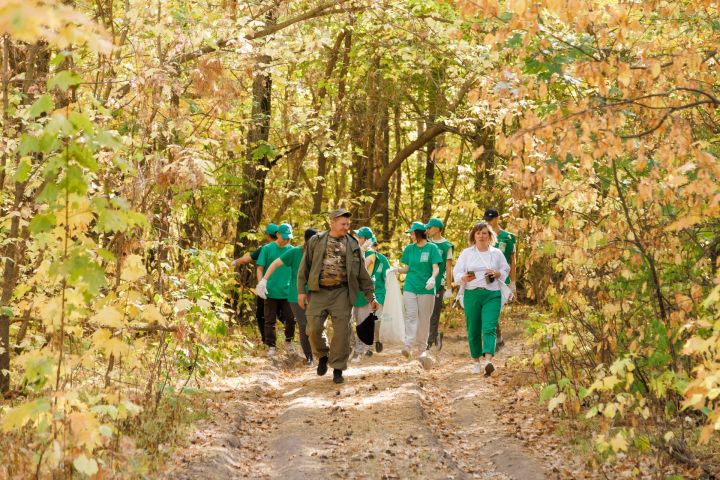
<point x="256" y="167"/>
<point x="334" y="127"/>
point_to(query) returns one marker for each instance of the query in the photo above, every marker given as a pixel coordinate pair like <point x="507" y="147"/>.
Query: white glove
<point x="448" y="294"/>
<point x="261" y="289"/>
<point x="430" y="285"/>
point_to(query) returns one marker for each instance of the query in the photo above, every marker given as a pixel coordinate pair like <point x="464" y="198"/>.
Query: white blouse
<point x="473" y="260"/>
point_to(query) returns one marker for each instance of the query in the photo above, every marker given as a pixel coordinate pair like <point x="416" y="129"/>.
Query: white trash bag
<point x="392" y="327"/>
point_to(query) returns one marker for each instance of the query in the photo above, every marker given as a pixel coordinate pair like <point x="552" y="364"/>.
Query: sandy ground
<point x="391" y="419"/>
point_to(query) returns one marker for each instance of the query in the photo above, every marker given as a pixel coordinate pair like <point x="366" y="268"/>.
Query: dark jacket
<point x="312" y="262"/>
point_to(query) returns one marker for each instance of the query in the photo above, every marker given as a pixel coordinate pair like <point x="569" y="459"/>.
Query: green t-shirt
<point x="506" y="242"/>
<point x="292" y="259"/>
<point x="279" y="282"/>
<point x="446" y="250"/>
<point x="380" y="268"/>
<point x="420" y="260"/>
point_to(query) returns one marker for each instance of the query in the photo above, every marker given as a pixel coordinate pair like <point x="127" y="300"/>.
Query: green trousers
<point x="482" y="311"/>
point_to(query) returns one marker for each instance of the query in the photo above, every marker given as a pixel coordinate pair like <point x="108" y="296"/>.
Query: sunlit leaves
<point x="17" y="417"/>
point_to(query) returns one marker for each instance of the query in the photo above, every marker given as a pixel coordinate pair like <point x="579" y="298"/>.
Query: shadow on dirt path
<point x="389" y="420"/>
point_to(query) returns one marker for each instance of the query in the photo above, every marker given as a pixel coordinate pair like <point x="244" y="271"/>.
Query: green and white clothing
<point x="506" y="243"/>
<point x="446" y="252"/>
<point x="279" y="282"/>
<point x="420" y="261"/>
<point x="378" y="274"/>
<point x="292" y="258"/>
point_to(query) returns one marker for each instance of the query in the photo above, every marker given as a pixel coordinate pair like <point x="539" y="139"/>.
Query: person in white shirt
<point x="480" y="269"/>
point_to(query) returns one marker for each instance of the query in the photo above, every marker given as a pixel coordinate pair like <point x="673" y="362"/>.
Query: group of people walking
<point x="338" y="274"/>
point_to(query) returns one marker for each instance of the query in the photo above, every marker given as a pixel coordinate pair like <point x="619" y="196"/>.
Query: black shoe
<point x="337" y="376"/>
<point x="439" y="341"/>
<point x="489" y="368"/>
<point x="322" y="366"/>
<point x="378" y="347"/>
<point x="368" y="353"/>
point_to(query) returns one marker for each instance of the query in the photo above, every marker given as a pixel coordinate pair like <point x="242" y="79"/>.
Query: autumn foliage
<point x="143" y="143"/>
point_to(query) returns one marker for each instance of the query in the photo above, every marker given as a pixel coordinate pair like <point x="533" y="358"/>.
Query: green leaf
<point x="84" y="156"/>
<point x="548" y="392"/>
<point x="22" y="173"/>
<point x="64" y="80"/>
<point x="41" y="105"/>
<point x="28" y="143"/>
<point x="85" y="465"/>
<point x="82" y="122"/>
<point x="42" y="222"/>
<point x="108" y="139"/>
<point x="111" y="221"/>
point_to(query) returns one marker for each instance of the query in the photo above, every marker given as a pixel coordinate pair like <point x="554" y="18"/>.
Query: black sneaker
<point x="337" y="376"/>
<point x="439" y="341"/>
<point x="489" y="368"/>
<point x="322" y="366"/>
<point x="378" y="347"/>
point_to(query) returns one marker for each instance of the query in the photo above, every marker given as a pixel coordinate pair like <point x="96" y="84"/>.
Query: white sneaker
<point x="477" y="368"/>
<point x="271" y="352"/>
<point x="356" y="358"/>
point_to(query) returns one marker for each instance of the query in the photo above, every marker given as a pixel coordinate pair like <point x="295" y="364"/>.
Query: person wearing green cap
<point x="422" y="264"/>
<point x="292" y="259"/>
<point x="332" y="267"/>
<point x="444" y="290"/>
<point x="377" y="265"/>
<point x="270" y="233"/>
<point x="275" y="289"/>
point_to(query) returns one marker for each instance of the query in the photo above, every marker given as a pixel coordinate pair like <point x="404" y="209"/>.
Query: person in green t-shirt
<point x="270" y="234"/>
<point x="506" y="243"/>
<point x="275" y="289"/>
<point x="444" y="290"/>
<point x="292" y="258"/>
<point x="377" y="265"/>
<point x="422" y="264"/>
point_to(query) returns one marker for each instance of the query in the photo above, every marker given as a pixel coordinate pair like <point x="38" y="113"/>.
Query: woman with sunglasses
<point x="480" y="269"/>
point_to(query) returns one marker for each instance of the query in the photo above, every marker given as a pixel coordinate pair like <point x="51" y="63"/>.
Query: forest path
<point x="391" y="419"/>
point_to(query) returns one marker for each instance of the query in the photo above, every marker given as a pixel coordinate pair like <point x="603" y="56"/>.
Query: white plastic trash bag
<point x="392" y="327"/>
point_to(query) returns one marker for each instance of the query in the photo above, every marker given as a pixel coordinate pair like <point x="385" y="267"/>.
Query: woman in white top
<point x="480" y="269"/>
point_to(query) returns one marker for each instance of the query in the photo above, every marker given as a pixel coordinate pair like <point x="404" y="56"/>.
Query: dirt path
<point x="390" y="419"/>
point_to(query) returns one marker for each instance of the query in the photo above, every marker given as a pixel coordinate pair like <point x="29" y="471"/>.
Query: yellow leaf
<point x="655" y="68"/>
<point x="152" y="315"/>
<point x="17" y="417"/>
<point x="108" y="317"/>
<point x="669" y="436"/>
<point x="133" y="268"/>
<point x="518" y="6"/>
<point x="556" y="401"/>
<point x="618" y="443"/>
<point x="86" y="466"/>
<point x="84" y="427"/>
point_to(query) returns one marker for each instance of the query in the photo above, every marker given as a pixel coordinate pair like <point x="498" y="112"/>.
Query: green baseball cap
<point x="271" y="229"/>
<point x="416" y="226"/>
<point x="365" y="232"/>
<point x="435" y="222"/>
<point x="285" y="231"/>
